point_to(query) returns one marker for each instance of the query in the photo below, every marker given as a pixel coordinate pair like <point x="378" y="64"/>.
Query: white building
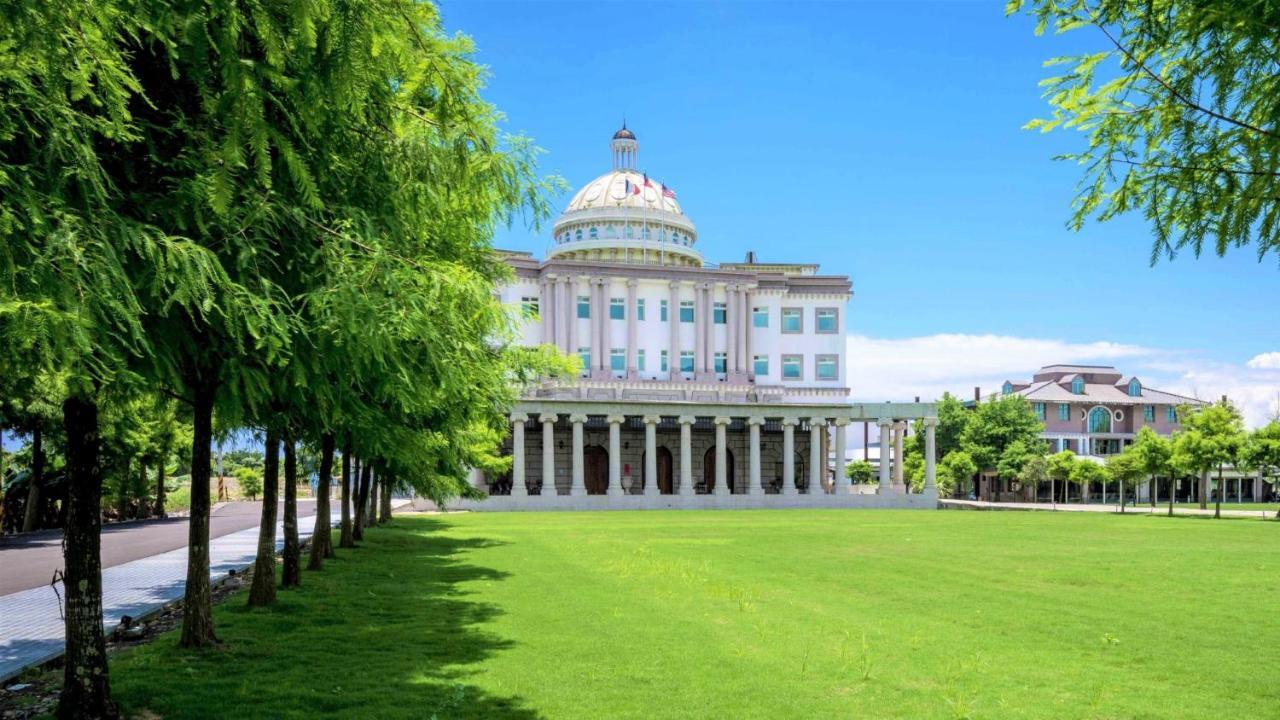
<point x="732" y="376"/>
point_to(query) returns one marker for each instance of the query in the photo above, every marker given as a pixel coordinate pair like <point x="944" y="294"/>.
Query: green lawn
<point x="753" y="614"/>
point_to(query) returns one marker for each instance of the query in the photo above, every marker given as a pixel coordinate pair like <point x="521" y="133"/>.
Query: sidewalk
<point x="31" y="625"/>
<point x="1141" y="509"/>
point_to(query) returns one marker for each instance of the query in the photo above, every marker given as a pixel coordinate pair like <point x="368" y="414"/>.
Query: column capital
<point x="704" y="285"/>
<point x="842" y="421"/>
<point x="931" y="422"/>
<point x="519" y="417"/>
<point x="817" y="420"/>
<point x="675" y="284"/>
<point x="722" y="420"/>
<point x="548" y="278"/>
<point x="578" y="418"/>
<point x="652" y="419"/>
<point x="790" y="422"/>
<point x="686" y="419"/>
<point x="756" y="420"/>
<point x="616" y="419"/>
<point x="599" y="280"/>
<point x="884" y="422"/>
<point x="632" y="282"/>
<point x="547" y="418"/>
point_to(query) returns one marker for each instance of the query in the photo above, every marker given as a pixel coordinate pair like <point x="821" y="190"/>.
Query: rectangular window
<point x="1149" y="413"/>
<point x="662" y="362"/>
<point x="827" y="367"/>
<point x="1064" y="411"/>
<point x="722" y="363"/>
<point x="719" y="313"/>
<point x="585" y="354"/>
<point x="640" y="360"/>
<point x="686" y="361"/>
<point x="617" y="308"/>
<point x="760" y="317"/>
<point x="1171" y="414"/>
<point x="617" y="359"/>
<point x="1039" y="408"/>
<point x="662" y="310"/>
<point x="584" y="307"/>
<point x="826" y="320"/>
<point x="792" y="320"/>
<point x="686" y="311"/>
<point x="640" y="309"/>
<point x="761" y="365"/>
<point x="791" y="367"/>
<point x="529" y="307"/>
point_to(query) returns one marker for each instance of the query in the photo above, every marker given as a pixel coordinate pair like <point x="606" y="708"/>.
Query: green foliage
<point x="860" y="472"/>
<point x="250" y="482"/>
<point x="998" y="424"/>
<point x="1084" y="472"/>
<point x="1211" y="438"/>
<point x="1261" y="450"/>
<point x="1013" y="461"/>
<point x="1154" y="453"/>
<point x="1059" y="465"/>
<point x="952" y="419"/>
<point x="1126" y="468"/>
<point x="1179" y="107"/>
<point x="957" y="467"/>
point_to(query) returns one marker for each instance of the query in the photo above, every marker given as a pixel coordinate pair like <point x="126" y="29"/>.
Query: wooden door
<point x="595" y="469"/>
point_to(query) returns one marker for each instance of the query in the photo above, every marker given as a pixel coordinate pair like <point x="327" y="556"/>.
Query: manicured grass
<point x="1251" y="506"/>
<point x="753" y="614"/>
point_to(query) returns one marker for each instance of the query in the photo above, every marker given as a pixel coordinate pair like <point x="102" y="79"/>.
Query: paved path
<point x="1143" y="509"/>
<point x="29" y="560"/>
<point x="31" y="626"/>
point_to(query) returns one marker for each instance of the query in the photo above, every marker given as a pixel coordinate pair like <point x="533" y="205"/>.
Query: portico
<point x="646" y="455"/>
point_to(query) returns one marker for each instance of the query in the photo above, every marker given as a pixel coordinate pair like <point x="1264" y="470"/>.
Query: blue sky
<point x="883" y="141"/>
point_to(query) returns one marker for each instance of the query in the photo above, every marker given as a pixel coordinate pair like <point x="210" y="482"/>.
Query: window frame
<point x="640" y="359"/>
<point x="719" y="313"/>
<point x="639" y="309"/>
<point x="782" y="322"/>
<point x="619" y="356"/>
<point x="617" y="308"/>
<point x="720" y="363"/>
<point x="757" y="314"/>
<point x="584" y="354"/>
<point x="664" y="361"/>
<point x="798" y="361"/>
<point x="687" y="305"/>
<point x="689" y="355"/>
<point x="817" y="320"/>
<point x="663" y="311"/>
<point x="755" y="364"/>
<point x="584" y="307"/>
<point x="817" y="364"/>
<point x="530" y="307"/>
<point x="1064" y="412"/>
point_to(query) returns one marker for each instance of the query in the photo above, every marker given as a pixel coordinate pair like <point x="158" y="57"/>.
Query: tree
<point x="263" y="590"/>
<point x="1261" y="451"/>
<point x="1034" y="471"/>
<point x="1059" y="466"/>
<point x="1179" y="108"/>
<point x="952" y="419"/>
<point x="995" y="425"/>
<point x="250" y="482"/>
<point x="860" y="472"/>
<point x="1084" y="472"/>
<point x="1013" y="461"/>
<point x="1127" y="470"/>
<point x="957" y="467"/>
<point x="1155" y="454"/>
<point x="1211" y="438"/>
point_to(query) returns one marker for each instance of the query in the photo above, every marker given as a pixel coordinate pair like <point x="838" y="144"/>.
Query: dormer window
<point x="1008" y="388"/>
<point x="1077" y="386"/>
<point x="1135" y="388"/>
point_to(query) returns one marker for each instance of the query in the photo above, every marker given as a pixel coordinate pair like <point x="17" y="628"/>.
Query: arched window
<point x="1077" y="386"/>
<point x="1099" y="420"/>
<point x="645" y="233"/>
<point x="577" y="235"/>
<point x="595" y="233"/>
<point x="1135" y="388"/>
<point x="1008" y="388"/>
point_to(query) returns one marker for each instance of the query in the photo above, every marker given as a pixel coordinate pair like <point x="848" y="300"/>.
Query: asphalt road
<point x="28" y="561"/>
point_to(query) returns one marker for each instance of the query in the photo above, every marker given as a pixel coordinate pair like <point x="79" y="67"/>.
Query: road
<point x="28" y="561"/>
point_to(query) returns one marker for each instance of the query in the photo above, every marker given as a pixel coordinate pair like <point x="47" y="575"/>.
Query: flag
<point x="646" y="181"/>
<point x="630" y="189"/>
<point x="668" y="192"/>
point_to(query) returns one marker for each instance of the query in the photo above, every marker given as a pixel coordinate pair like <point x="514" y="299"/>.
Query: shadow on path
<point x="382" y="632"/>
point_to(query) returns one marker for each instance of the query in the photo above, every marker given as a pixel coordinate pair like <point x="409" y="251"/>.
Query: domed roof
<point x="623" y="188"/>
<point x="624" y="134"/>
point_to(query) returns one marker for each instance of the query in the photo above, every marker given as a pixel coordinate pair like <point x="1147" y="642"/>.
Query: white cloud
<point x="1265" y="361"/>
<point x="900" y="369"/>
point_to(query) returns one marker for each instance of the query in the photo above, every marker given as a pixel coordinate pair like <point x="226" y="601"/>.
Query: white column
<point x="899" y="429"/>
<point x="673" y="344"/>
<point x="754" y="487"/>
<point x="731" y="332"/>
<point x="517" y="455"/>
<point x="632" y="370"/>
<point x="789" y="456"/>
<point x="686" y="454"/>
<point x="699" y="334"/>
<point x="722" y="460"/>
<point x="548" y="421"/>
<point x="599" y="347"/>
<point x="886" y="433"/>
<point x="546" y="309"/>
<point x="578" y="486"/>
<point x="651" y="454"/>
<point x="571" y="316"/>
<point x="840" y="479"/>
<point x="744" y="332"/>
<point x="748" y="361"/>
<point x="615" y="455"/>
<point x="930" y="448"/>
<point x="816" y="461"/>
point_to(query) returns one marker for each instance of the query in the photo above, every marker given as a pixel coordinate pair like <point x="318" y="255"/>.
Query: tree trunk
<point x="31" y="518"/>
<point x="144" y="508"/>
<point x="263" y="592"/>
<point x="360" y="472"/>
<point x="1204" y="490"/>
<point x="1217" y="499"/>
<point x="86" y="686"/>
<point x="372" y="511"/>
<point x="345" y="539"/>
<point x="197" y="602"/>
<point x="159" y="509"/>
<point x="385" y="515"/>
<point x="321" y="538"/>
<point x="292" y="573"/>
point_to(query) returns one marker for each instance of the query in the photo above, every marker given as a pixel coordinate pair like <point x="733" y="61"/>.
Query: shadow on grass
<point x="384" y="631"/>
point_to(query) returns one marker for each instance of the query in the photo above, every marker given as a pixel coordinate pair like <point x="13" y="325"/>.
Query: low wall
<point x="510" y="503"/>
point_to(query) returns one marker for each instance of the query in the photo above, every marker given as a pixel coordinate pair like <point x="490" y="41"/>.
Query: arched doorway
<point x="709" y="469"/>
<point x="802" y="475"/>
<point x="664" y="470"/>
<point x="1099" y="420"/>
<point x="595" y="469"/>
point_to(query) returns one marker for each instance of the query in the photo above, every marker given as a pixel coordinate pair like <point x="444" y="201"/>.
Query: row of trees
<point x="278" y="215"/>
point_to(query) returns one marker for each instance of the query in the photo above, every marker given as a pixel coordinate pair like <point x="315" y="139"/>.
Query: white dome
<point x="623" y="188"/>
